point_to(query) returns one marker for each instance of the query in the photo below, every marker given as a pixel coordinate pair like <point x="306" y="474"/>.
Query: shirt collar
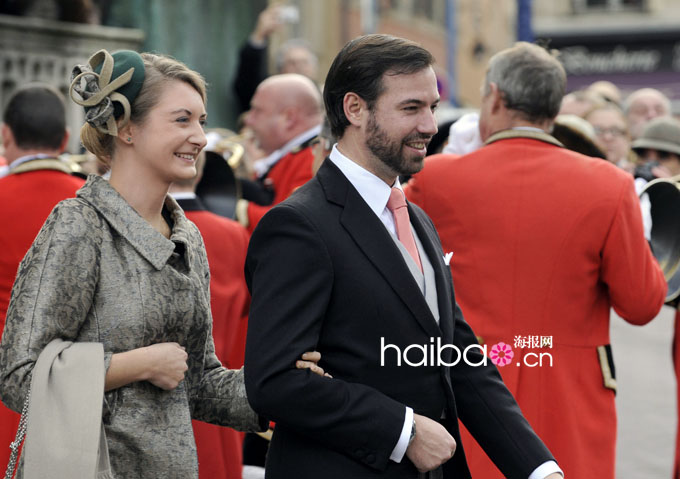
<point x="262" y="166"/>
<point x="372" y="189"/>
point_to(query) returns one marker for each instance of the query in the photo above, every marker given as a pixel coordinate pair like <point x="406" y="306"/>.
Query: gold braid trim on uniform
<point x="42" y="164"/>
<point x="534" y="135"/>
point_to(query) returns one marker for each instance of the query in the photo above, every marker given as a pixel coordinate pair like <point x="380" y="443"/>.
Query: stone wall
<point x="41" y="50"/>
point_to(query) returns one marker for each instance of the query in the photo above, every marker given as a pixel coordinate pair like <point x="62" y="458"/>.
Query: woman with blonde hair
<point x="121" y="266"/>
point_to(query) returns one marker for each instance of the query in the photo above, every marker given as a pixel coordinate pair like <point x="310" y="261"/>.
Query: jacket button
<point x="370" y="458"/>
<point x="359" y="452"/>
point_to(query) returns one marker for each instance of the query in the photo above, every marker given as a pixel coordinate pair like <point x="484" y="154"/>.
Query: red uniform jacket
<point x="26" y="200"/>
<point x="544" y="242"/>
<point x="287" y="174"/>
<point x="226" y="242"/>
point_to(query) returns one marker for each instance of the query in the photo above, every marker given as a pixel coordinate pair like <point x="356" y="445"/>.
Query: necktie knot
<point x="396" y="200"/>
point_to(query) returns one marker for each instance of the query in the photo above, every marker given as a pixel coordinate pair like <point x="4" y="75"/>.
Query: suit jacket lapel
<point x="373" y="239"/>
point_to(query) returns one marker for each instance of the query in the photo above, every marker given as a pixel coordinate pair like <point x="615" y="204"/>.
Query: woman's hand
<point x="167" y="363"/>
<point x="309" y="361"/>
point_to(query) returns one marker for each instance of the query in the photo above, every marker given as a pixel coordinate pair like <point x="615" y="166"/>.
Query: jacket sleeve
<point x="290" y="275"/>
<point x="637" y="287"/>
<point x="252" y="69"/>
<point x="52" y="294"/>
<point x="220" y="397"/>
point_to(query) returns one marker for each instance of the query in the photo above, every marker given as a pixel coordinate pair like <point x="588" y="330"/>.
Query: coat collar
<point x="513" y="133"/>
<point x="148" y="242"/>
<point x="373" y="239"/>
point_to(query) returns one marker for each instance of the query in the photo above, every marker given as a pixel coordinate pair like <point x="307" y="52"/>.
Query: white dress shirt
<point x="376" y="193"/>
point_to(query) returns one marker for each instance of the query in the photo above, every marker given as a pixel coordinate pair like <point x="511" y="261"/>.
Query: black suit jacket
<point x="325" y="275"/>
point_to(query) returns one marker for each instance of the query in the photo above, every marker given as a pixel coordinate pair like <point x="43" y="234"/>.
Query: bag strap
<point x="18" y="439"/>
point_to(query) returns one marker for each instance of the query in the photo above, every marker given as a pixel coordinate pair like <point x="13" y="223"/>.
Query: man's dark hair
<point x="359" y="68"/>
<point x="37" y="117"/>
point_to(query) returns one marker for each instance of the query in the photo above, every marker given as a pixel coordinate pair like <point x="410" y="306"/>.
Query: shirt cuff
<point x="545" y="469"/>
<point x="400" y="449"/>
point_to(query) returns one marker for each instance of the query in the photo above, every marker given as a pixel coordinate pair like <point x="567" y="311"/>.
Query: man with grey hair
<point x="644" y="105"/>
<point x="545" y="242"/>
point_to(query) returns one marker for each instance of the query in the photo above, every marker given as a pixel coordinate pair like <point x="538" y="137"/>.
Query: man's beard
<point x="391" y="153"/>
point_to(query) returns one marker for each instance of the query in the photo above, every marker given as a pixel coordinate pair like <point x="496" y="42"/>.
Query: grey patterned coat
<point x="99" y="272"/>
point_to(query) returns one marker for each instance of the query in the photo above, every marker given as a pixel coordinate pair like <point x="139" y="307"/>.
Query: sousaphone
<point x="664" y="197"/>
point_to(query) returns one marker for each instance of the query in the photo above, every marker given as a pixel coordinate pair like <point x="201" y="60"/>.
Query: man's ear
<point x="64" y="141"/>
<point x="290" y="116"/>
<point x="497" y="101"/>
<point x="354" y="107"/>
<point x="7" y="136"/>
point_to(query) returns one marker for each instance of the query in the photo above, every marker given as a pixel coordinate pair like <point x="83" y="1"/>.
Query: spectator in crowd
<point x="576" y="134"/>
<point x="294" y="56"/>
<point x="612" y="134"/>
<point x="644" y="105"/>
<point x="606" y="90"/>
<point x="285" y="117"/>
<point x="659" y="145"/>
<point x="545" y="241"/>
<point x="580" y="102"/>
<point x="334" y="266"/>
<point x="226" y="242"/>
<point x="37" y="180"/>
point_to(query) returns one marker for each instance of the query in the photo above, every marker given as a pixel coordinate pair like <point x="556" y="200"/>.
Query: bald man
<point x="285" y="116"/>
<point x="644" y="105"/>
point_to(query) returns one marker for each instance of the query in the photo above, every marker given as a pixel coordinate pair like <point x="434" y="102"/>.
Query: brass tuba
<point x="664" y="198"/>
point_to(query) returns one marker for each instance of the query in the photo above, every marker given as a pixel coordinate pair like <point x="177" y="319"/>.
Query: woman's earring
<point x="129" y="139"/>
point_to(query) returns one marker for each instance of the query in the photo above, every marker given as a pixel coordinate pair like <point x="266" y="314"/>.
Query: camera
<point x="289" y="14"/>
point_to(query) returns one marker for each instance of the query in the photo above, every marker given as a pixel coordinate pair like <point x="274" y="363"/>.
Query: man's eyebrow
<point x="417" y="101"/>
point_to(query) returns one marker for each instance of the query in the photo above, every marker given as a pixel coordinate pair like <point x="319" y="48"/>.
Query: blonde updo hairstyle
<point x="159" y="70"/>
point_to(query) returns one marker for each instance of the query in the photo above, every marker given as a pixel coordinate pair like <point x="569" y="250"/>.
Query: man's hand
<point x="432" y="446"/>
<point x="268" y="21"/>
<point x="309" y="361"/>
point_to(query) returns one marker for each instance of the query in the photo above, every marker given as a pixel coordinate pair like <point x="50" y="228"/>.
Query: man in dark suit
<point x="347" y="267"/>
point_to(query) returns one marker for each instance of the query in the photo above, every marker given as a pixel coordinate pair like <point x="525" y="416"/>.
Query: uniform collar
<point x="263" y="165"/>
<point x="122" y="217"/>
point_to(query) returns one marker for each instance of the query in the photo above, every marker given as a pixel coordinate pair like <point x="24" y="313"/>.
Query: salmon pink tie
<point x="397" y="205"/>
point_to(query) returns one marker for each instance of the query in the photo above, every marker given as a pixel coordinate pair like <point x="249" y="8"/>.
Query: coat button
<point x="370" y="458"/>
